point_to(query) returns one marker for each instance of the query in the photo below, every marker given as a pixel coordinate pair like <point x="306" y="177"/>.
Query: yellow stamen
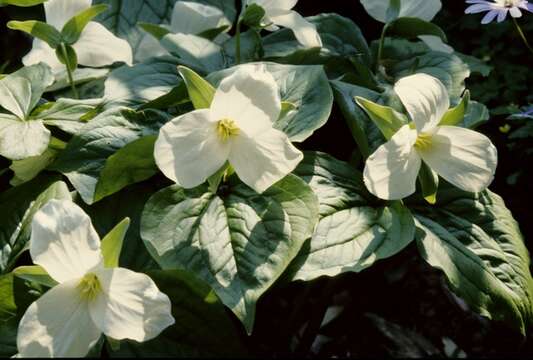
<point x="89" y="286"/>
<point x="423" y="141"/>
<point x="227" y="128"/>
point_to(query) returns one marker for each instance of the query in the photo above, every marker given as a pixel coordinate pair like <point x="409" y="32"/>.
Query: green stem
<point x="522" y="35"/>
<point x="69" y="72"/>
<point x="381" y="46"/>
<point x="238" y="43"/>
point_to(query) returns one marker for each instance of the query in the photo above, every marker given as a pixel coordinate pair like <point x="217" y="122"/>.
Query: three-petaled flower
<point x="238" y="128"/>
<point x="96" y="46"/>
<point x="90" y="299"/>
<point x="498" y="9"/>
<point x="463" y="157"/>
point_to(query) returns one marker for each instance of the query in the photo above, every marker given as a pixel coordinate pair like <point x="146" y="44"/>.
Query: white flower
<point x="463" y="157"/>
<point x="96" y="47"/>
<point x="189" y="18"/>
<point x="238" y="127"/>
<point x="279" y="12"/>
<point x="90" y="299"/>
<point x="498" y="9"/>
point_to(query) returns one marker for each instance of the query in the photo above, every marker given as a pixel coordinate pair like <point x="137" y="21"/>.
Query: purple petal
<point x="502" y="14"/>
<point x="530" y="7"/>
<point x="490" y="16"/>
<point x="478" y="2"/>
<point x="477" y="8"/>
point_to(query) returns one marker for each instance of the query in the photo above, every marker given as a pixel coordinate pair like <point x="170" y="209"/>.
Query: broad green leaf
<point x="239" y="242"/>
<point x="476" y="65"/>
<point x="423" y="9"/>
<point x="38" y="29"/>
<point x="69" y="115"/>
<point x="474" y="239"/>
<point x="195" y="52"/>
<point x="133" y="86"/>
<point x="67" y="56"/>
<point x="22" y="3"/>
<point x="411" y="27"/>
<point x="21" y="91"/>
<point x="129" y="165"/>
<point x="17" y="206"/>
<point x="341" y="37"/>
<point x="200" y="91"/>
<point x="203" y="327"/>
<point x="20" y="139"/>
<point x="250" y="48"/>
<point x="476" y="114"/>
<point x="34" y="273"/>
<point x="73" y="28"/>
<point x="253" y="14"/>
<point x="86" y="154"/>
<point x="79" y="76"/>
<point x="388" y="120"/>
<point x="123" y="16"/>
<point x="306" y="87"/>
<point x="456" y="114"/>
<point x="429" y="182"/>
<point x="353" y="233"/>
<point x="112" y="243"/>
<point x="155" y="30"/>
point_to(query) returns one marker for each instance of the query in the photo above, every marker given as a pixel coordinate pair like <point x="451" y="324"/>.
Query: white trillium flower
<point x="190" y="18"/>
<point x="422" y="9"/>
<point x="280" y="13"/>
<point x="238" y="127"/>
<point x="96" y="46"/>
<point x="90" y="299"/>
<point x="463" y="157"/>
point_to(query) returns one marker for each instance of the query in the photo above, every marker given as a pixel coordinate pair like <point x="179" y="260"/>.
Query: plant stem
<point x="238" y="43"/>
<point x="522" y="35"/>
<point x="69" y="71"/>
<point x="381" y="45"/>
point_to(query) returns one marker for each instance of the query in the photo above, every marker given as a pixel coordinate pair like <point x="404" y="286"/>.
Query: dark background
<point x="399" y="307"/>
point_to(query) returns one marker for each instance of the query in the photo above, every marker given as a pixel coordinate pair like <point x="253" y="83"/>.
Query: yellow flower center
<point x="89" y="286"/>
<point x="423" y="141"/>
<point x="227" y="128"/>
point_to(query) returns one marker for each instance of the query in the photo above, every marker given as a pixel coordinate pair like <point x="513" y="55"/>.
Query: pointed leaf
<point x="388" y="120"/>
<point x="200" y="91"/>
<point x="112" y="244"/>
<point x="72" y="30"/>
<point x="38" y="29"/>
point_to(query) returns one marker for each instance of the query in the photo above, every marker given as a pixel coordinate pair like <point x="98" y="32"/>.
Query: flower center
<point x="89" y="286"/>
<point x="423" y="141"/>
<point x="510" y="3"/>
<point x="227" y="128"/>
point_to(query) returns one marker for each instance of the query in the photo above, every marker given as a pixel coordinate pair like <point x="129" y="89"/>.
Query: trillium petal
<point x="463" y="157"/>
<point x="304" y="31"/>
<point x="22" y="139"/>
<point x="63" y="241"/>
<point x="58" y="324"/>
<point x="98" y="46"/>
<point x="250" y="97"/>
<point x="58" y="12"/>
<point x="425" y="98"/>
<point x="130" y="306"/>
<point x="42" y="52"/>
<point x="189" y="149"/>
<point x="193" y="18"/>
<point x="264" y="160"/>
<point x="391" y="171"/>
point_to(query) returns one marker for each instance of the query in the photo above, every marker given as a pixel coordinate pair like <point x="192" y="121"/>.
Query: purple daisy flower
<point x="498" y="8"/>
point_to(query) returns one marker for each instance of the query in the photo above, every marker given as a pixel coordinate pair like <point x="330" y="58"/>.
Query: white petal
<point x="22" y="139"/>
<point x="274" y="4"/>
<point x="58" y="324"/>
<point x="423" y="9"/>
<point x="304" y="31"/>
<point x="42" y="52"/>
<point x="189" y="150"/>
<point x="193" y="18"/>
<point x="149" y="47"/>
<point x="63" y="241"/>
<point x="463" y="157"/>
<point x="390" y="172"/>
<point x="435" y="43"/>
<point x="425" y="98"/>
<point x="250" y="97"/>
<point x="264" y="160"/>
<point x="515" y="12"/>
<point x="98" y="46"/>
<point x="130" y="306"/>
<point x="58" y="12"/>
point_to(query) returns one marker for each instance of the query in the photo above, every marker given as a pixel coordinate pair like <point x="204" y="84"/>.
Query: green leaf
<point x="250" y="47"/>
<point x="353" y="233"/>
<point x="67" y="56"/>
<point x="38" y="29"/>
<point x="476" y="65"/>
<point x="388" y="120"/>
<point x="17" y="206"/>
<point x="412" y="27"/>
<point x="474" y="239"/>
<point x="67" y="114"/>
<point x="129" y="165"/>
<point x="79" y="76"/>
<point x="22" y="3"/>
<point x="72" y="30"/>
<point x="306" y="87"/>
<point x="202" y="329"/>
<point x="476" y="114"/>
<point x="21" y="139"/>
<point x="253" y="15"/>
<point x="155" y="30"/>
<point x="86" y="154"/>
<point x="456" y="114"/>
<point x="195" y="52"/>
<point x="429" y="182"/>
<point x="112" y="243"/>
<point x="200" y="91"/>
<point x="34" y="273"/>
<point x="239" y="242"/>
